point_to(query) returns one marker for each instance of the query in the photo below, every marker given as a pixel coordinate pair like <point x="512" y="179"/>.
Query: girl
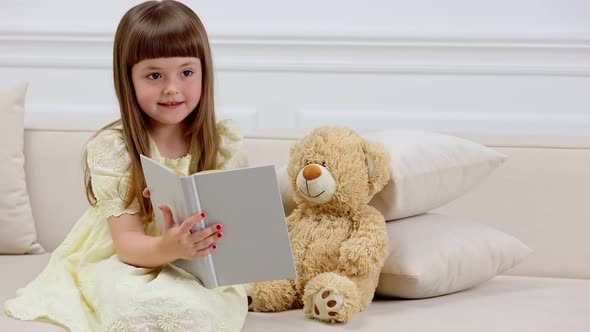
<point x="110" y="273"/>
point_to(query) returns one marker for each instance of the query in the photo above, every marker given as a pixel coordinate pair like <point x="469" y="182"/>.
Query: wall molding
<point x="325" y="54"/>
<point x="511" y="123"/>
<point x="92" y="117"/>
<point x="480" y="122"/>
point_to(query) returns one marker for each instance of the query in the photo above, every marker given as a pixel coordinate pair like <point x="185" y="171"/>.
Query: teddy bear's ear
<point x="377" y="160"/>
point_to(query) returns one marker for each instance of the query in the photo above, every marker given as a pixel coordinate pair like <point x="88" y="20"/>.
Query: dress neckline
<point x="156" y="153"/>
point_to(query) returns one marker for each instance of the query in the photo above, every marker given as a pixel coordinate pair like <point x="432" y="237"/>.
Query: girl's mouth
<point x="171" y="105"/>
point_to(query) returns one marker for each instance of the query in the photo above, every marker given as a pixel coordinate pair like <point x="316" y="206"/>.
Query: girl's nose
<point x="170" y="89"/>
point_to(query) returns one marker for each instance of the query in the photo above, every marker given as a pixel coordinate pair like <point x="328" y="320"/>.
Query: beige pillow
<point x="434" y="254"/>
<point x="17" y="228"/>
<point x="428" y="170"/>
<point x="289" y="203"/>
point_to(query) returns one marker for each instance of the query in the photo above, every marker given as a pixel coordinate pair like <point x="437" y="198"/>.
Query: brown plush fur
<point x="339" y="245"/>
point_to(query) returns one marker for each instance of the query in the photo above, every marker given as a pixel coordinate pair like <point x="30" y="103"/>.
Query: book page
<point x="247" y="202"/>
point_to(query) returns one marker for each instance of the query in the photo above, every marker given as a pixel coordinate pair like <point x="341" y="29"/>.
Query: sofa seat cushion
<point x="17" y="272"/>
<point x="505" y="303"/>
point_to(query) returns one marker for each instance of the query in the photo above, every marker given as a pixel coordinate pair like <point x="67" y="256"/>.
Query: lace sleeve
<point x="231" y="150"/>
<point x="108" y="163"/>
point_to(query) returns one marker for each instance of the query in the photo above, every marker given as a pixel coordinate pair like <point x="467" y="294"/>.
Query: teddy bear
<point x="339" y="242"/>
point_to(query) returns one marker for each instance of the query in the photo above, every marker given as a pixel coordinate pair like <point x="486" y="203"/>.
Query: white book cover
<point x="255" y="245"/>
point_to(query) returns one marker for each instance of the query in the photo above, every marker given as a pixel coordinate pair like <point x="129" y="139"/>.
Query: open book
<point x="255" y="245"/>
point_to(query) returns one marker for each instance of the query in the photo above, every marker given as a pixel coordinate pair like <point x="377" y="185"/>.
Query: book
<point x="255" y="245"/>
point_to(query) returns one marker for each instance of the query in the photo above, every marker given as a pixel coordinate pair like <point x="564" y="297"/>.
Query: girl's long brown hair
<point x="152" y="30"/>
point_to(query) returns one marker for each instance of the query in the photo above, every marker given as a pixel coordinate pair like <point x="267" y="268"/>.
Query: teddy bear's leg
<point x="277" y="295"/>
<point x="366" y="287"/>
<point x="331" y="297"/>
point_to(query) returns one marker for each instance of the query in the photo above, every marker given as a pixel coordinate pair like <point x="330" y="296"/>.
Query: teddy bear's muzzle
<point x="312" y="172"/>
<point x="316" y="184"/>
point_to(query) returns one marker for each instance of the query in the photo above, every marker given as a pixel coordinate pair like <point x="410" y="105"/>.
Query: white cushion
<point x="289" y="203"/>
<point x="433" y="254"/>
<point x="504" y="304"/>
<point x="17" y="227"/>
<point x="429" y="170"/>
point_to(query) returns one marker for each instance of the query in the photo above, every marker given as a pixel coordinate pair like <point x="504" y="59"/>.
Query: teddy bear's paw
<point x="327" y="305"/>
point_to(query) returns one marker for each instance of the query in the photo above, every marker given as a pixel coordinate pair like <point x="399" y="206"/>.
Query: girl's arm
<point x="136" y="248"/>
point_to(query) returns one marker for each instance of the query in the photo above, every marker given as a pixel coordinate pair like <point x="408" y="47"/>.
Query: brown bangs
<point x="164" y="34"/>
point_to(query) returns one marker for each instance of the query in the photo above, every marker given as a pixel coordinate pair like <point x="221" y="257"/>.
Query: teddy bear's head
<point x="335" y="167"/>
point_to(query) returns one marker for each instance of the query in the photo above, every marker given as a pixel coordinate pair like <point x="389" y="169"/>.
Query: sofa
<point x="540" y="195"/>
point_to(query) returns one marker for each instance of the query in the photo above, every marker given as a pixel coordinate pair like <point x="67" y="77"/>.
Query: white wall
<point x="518" y="67"/>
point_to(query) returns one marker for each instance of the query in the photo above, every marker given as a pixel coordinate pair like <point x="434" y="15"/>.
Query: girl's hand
<point x="177" y="241"/>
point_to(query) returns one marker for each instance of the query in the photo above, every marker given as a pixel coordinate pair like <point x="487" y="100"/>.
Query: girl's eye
<point x="187" y="73"/>
<point x="154" y="76"/>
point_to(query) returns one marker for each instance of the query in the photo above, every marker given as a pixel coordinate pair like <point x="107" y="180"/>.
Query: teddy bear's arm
<point x="366" y="248"/>
<point x="292" y="219"/>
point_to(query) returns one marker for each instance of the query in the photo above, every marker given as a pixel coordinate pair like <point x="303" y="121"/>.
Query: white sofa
<point x="540" y="196"/>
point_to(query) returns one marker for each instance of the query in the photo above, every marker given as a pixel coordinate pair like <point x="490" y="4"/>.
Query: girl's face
<point x="167" y="89"/>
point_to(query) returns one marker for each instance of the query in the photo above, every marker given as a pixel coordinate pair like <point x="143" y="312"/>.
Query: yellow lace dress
<point x="85" y="287"/>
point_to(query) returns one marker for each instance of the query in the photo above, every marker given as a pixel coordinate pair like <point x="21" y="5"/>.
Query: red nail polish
<point x="219" y="235"/>
<point x="203" y="215"/>
<point x="214" y="246"/>
<point x="218" y="227"/>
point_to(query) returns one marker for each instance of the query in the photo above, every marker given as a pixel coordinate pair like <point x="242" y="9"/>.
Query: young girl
<point x="111" y="271"/>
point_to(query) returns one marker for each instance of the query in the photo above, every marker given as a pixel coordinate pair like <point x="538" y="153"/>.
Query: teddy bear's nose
<point x="311" y="172"/>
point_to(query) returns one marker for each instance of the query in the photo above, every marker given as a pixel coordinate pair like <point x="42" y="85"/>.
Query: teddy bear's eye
<point x="324" y="163"/>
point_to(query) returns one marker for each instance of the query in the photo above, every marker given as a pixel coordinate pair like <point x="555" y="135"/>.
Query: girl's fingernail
<point x="214" y="246"/>
<point x="203" y="214"/>
<point x="218" y="227"/>
<point x="219" y="235"/>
